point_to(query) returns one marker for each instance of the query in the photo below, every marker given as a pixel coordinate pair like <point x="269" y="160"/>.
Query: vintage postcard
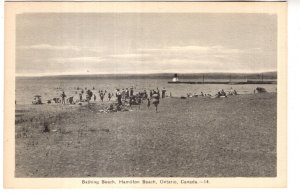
<point x="145" y="94"/>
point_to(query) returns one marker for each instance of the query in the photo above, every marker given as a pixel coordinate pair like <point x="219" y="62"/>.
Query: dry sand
<point x="195" y="137"/>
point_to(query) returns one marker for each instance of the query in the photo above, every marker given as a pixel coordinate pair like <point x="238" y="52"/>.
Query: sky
<point x="116" y="43"/>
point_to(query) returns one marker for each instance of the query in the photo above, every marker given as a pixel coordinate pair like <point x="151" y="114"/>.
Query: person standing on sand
<point x="163" y="93"/>
<point x="101" y="95"/>
<point x="131" y="91"/>
<point x="63" y="96"/>
<point x="95" y="97"/>
<point x="126" y="93"/>
<point x="139" y="99"/>
<point x="148" y="103"/>
<point x="145" y="94"/>
<point x="123" y="94"/>
<point x="130" y="101"/>
<point x="89" y="95"/>
<point x="155" y="100"/>
<point x="119" y="97"/>
<point x="109" y="96"/>
<point x="158" y="92"/>
<point x="80" y="97"/>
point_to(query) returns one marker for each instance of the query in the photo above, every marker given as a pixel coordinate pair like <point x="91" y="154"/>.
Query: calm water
<point x="50" y="87"/>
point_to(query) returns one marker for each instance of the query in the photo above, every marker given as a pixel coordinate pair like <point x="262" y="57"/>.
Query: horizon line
<point x="135" y="73"/>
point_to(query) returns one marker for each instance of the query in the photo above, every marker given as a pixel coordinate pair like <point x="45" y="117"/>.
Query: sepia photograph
<point x="148" y="97"/>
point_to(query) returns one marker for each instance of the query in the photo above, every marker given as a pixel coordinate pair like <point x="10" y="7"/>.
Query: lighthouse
<point x="175" y="78"/>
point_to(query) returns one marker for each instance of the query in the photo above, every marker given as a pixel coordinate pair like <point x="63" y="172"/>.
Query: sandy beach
<point x="194" y="137"/>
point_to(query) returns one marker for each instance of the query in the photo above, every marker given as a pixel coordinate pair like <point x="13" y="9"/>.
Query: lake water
<point x="50" y="87"/>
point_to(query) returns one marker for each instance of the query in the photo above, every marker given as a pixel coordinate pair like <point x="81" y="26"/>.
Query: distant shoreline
<point x="216" y="75"/>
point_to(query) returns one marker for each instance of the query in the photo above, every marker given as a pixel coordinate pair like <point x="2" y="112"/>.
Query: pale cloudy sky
<point x="145" y="43"/>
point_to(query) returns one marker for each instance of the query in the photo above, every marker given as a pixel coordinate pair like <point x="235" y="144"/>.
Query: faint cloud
<point x="60" y="48"/>
<point x="131" y="55"/>
<point x="194" y="49"/>
<point x="79" y="60"/>
<point x="48" y="47"/>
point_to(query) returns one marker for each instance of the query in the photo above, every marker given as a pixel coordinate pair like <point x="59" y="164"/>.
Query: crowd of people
<point x="125" y="96"/>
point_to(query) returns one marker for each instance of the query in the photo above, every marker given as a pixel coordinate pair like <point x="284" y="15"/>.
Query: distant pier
<point x="230" y="81"/>
<point x="223" y="82"/>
